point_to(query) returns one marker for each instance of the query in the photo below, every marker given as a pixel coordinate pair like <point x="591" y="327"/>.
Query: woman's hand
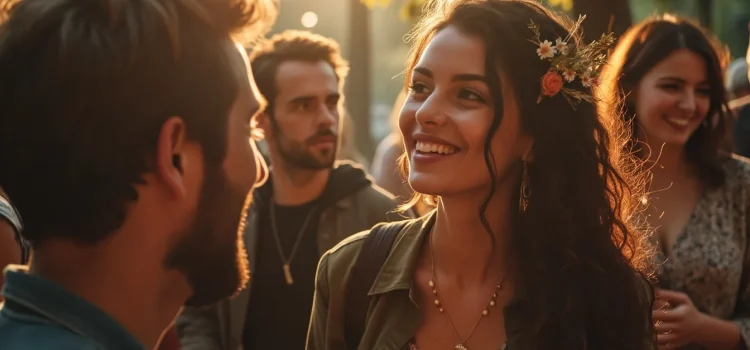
<point x="676" y="319"/>
<point x="678" y="323"/>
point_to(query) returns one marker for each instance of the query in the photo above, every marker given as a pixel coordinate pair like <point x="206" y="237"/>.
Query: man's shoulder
<point x="378" y="192"/>
<point x="21" y="333"/>
<point x="374" y="199"/>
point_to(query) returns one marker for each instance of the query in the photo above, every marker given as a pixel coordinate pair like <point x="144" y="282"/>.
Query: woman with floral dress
<point x="666" y="76"/>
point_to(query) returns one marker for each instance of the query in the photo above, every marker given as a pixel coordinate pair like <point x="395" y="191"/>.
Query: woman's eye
<point x="469" y="95"/>
<point x="670" y="87"/>
<point x="418" y="88"/>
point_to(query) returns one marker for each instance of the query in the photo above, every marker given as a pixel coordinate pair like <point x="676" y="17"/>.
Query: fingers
<point x="665" y="327"/>
<point x="661" y="305"/>
<point x="672" y="297"/>
<point x="670" y="337"/>
<point x="670" y="315"/>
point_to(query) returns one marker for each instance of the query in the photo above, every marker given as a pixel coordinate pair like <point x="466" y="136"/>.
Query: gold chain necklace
<point x="288" y="261"/>
<point x="439" y="305"/>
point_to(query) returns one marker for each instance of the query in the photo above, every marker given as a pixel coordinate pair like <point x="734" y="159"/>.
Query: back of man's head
<point x="86" y="87"/>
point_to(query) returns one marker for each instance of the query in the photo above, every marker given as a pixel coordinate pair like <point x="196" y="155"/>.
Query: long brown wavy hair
<point x="640" y="49"/>
<point x="582" y="264"/>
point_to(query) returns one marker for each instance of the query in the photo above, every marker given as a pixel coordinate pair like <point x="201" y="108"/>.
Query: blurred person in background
<point x="738" y="87"/>
<point x="310" y="203"/>
<point x="125" y="132"/>
<point x="348" y="150"/>
<point x="666" y="77"/>
<point x="385" y="169"/>
<point x="529" y="247"/>
<point x="13" y="249"/>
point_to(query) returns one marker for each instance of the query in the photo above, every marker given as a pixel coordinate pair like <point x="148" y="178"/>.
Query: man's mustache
<point x="322" y="135"/>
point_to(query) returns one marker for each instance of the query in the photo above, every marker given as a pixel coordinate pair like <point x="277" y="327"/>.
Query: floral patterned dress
<point x="709" y="260"/>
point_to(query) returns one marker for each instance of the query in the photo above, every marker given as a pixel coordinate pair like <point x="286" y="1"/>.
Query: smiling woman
<point x="530" y="246"/>
<point x="666" y="76"/>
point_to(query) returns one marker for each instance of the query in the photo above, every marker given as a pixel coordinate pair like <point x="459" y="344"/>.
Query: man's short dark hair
<point x="87" y="86"/>
<point x="293" y="45"/>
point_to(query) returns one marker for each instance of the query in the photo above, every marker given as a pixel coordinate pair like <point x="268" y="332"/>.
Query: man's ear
<point x="171" y="155"/>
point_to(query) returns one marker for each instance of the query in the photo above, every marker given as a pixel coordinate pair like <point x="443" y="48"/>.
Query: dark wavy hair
<point x="640" y="49"/>
<point x="87" y="88"/>
<point x="581" y="263"/>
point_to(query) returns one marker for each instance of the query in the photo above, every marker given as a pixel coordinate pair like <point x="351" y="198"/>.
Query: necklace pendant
<point x="460" y="347"/>
<point x="288" y="274"/>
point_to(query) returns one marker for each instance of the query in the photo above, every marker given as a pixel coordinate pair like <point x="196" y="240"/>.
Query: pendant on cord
<point x="288" y="274"/>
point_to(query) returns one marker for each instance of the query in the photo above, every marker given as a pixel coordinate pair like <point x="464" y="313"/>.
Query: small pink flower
<point x="552" y="82"/>
<point x="588" y="81"/>
<point x="569" y="75"/>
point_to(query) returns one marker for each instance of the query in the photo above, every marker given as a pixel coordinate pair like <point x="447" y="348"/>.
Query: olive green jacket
<point x="393" y="315"/>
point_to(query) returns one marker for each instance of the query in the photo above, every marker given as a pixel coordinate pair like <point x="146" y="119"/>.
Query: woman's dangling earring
<point x="523" y="201"/>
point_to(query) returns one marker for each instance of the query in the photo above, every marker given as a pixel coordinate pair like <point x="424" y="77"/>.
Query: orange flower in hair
<point x="552" y="82"/>
<point x="569" y="62"/>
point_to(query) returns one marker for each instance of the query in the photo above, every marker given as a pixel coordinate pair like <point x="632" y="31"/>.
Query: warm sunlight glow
<point x="309" y="19"/>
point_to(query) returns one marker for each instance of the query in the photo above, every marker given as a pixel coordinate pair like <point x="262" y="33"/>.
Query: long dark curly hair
<point x="583" y="265"/>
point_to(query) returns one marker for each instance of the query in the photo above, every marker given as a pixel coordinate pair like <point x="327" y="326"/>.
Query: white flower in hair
<point x="546" y="50"/>
<point x="570" y="61"/>
<point x="569" y="75"/>
<point x="561" y="46"/>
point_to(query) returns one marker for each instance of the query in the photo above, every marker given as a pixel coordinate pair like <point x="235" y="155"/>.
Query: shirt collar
<point x="49" y="300"/>
<point x="398" y="269"/>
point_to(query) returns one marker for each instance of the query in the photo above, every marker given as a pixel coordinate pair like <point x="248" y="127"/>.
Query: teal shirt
<point x="38" y="314"/>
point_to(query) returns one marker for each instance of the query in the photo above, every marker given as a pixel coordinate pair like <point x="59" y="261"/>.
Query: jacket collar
<point x="398" y="271"/>
<point x="398" y="268"/>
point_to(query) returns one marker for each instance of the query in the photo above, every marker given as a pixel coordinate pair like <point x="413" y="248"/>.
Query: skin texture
<point x="450" y="101"/>
<point x="10" y="251"/>
<point x="674" y="89"/>
<point x="306" y="114"/>
<point x="303" y="132"/>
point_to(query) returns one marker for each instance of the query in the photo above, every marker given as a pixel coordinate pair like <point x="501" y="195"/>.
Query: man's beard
<point x="211" y="253"/>
<point x="297" y="154"/>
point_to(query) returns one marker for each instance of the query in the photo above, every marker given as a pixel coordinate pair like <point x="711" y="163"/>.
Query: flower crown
<point x="568" y="63"/>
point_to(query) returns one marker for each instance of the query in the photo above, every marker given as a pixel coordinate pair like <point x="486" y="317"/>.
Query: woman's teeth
<point x="426" y="147"/>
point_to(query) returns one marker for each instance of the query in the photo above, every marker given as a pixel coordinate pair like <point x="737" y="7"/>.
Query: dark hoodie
<point x="279" y="314"/>
<point x="345" y="179"/>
